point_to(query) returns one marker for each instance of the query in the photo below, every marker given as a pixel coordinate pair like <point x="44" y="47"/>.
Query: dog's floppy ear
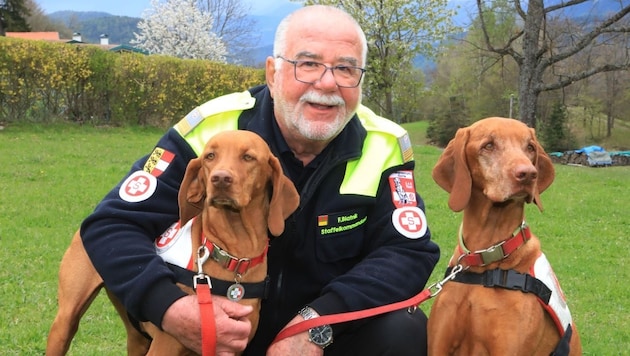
<point x="546" y="171"/>
<point x="451" y="172"/>
<point x="284" y="201"/>
<point x="192" y="191"/>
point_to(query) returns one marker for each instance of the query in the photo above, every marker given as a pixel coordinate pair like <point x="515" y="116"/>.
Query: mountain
<point x="91" y="25"/>
<point x="120" y="29"/>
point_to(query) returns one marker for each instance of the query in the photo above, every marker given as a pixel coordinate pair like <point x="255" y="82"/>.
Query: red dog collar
<point x="497" y="252"/>
<point x="231" y="263"/>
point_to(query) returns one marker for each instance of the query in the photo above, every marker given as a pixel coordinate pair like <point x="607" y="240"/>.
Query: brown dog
<point x="234" y="193"/>
<point x="493" y="305"/>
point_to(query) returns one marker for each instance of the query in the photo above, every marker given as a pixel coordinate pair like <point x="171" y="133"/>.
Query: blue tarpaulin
<point x="596" y="156"/>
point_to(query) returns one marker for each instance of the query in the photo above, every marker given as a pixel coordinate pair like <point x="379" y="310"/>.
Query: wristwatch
<point x="321" y="336"/>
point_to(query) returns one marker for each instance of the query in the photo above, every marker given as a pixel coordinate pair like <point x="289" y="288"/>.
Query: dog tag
<point x="236" y="292"/>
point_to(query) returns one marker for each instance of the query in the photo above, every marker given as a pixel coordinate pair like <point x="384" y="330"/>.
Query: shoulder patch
<point x="405" y="147"/>
<point x="410" y="222"/>
<point x="139" y="186"/>
<point x="158" y="161"/>
<point x="403" y="188"/>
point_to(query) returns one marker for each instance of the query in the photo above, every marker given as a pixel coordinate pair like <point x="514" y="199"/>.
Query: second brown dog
<point x="492" y="169"/>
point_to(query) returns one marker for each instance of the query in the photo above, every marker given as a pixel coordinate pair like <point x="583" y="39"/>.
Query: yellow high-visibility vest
<point x="386" y="145"/>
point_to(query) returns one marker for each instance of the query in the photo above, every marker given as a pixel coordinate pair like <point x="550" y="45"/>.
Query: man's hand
<point x="183" y="321"/>
<point x="298" y="344"/>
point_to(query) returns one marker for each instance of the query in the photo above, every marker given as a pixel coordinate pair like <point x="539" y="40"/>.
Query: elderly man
<point x="359" y="238"/>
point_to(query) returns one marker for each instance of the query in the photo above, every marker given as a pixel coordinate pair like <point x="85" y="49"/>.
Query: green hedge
<point x="46" y="82"/>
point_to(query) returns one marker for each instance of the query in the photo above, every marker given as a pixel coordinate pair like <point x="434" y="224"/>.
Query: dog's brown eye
<point x="247" y="157"/>
<point x="531" y="148"/>
<point x="489" y="146"/>
<point x="210" y="156"/>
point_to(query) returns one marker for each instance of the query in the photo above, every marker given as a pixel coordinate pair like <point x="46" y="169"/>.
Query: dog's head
<point x="498" y="156"/>
<point x="236" y="168"/>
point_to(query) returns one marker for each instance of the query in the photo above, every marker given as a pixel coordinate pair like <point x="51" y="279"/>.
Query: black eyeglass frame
<point x="326" y="68"/>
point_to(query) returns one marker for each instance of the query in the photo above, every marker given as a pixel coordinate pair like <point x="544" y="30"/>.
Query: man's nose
<point x="327" y="81"/>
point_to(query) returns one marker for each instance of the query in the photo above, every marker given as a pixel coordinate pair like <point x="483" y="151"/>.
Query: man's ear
<point x="270" y="72"/>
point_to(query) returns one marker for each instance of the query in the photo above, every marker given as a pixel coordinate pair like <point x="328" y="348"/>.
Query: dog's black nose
<point x="221" y="179"/>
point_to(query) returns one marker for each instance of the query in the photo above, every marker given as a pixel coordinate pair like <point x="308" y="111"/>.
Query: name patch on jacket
<point x="335" y="223"/>
<point x="403" y="188"/>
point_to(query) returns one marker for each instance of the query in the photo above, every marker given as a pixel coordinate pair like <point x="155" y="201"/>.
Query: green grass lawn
<point x="51" y="177"/>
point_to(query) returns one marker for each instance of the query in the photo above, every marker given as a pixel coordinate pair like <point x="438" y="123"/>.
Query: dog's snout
<point x="525" y="173"/>
<point x="221" y="178"/>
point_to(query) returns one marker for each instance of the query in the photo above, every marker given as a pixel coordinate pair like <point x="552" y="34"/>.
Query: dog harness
<point x="175" y="248"/>
<point x="541" y="279"/>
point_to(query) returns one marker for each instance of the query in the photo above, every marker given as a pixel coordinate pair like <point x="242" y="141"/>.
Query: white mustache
<point x="316" y="98"/>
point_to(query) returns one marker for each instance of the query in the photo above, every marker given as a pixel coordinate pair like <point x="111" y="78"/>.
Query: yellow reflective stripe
<point x="209" y="127"/>
<point x="216" y="115"/>
<point x="373" y="122"/>
<point x="386" y="145"/>
<point x="364" y="175"/>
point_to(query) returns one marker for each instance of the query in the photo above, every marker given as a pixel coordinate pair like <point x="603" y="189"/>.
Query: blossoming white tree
<point x="178" y="28"/>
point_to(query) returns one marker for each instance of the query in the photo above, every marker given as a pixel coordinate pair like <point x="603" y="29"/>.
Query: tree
<point x="543" y="51"/>
<point x="398" y="31"/>
<point x="13" y="15"/>
<point x="555" y="133"/>
<point x="178" y="28"/>
<point x="38" y="21"/>
<point x="233" y="25"/>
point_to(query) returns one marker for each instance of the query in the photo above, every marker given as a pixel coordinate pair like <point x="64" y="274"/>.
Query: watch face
<point x="321" y="335"/>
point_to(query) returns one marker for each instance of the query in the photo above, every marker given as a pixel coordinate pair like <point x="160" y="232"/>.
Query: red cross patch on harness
<point x="139" y="186"/>
<point x="410" y="221"/>
<point x="403" y="188"/>
<point x="168" y="236"/>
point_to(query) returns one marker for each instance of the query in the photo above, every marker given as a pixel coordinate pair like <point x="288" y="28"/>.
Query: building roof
<point x="54" y="37"/>
<point x="127" y="48"/>
<point x="49" y="36"/>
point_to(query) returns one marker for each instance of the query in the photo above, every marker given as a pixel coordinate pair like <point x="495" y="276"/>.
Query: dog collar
<point x="233" y="264"/>
<point x="494" y="253"/>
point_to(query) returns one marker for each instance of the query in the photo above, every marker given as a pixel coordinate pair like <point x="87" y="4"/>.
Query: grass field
<point x="51" y="177"/>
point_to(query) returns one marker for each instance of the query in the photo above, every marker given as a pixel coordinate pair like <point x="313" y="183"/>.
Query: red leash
<point x="414" y="302"/>
<point x="203" y="286"/>
<point x="208" y="326"/>
<point x="348" y="316"/>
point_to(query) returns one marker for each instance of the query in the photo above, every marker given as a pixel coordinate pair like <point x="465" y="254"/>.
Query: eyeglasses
<point x="310" y="72"/>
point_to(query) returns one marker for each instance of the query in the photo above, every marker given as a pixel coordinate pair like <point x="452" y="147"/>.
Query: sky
<point x="134" y="8"/>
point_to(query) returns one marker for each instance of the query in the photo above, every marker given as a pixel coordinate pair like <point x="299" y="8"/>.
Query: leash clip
<point x="436" y="288"/>
<point x="202" y="256"/>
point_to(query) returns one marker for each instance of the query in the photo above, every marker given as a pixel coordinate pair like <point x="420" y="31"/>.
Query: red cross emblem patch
<point x="410" y="221"/>
<point x="139" y="186"/>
